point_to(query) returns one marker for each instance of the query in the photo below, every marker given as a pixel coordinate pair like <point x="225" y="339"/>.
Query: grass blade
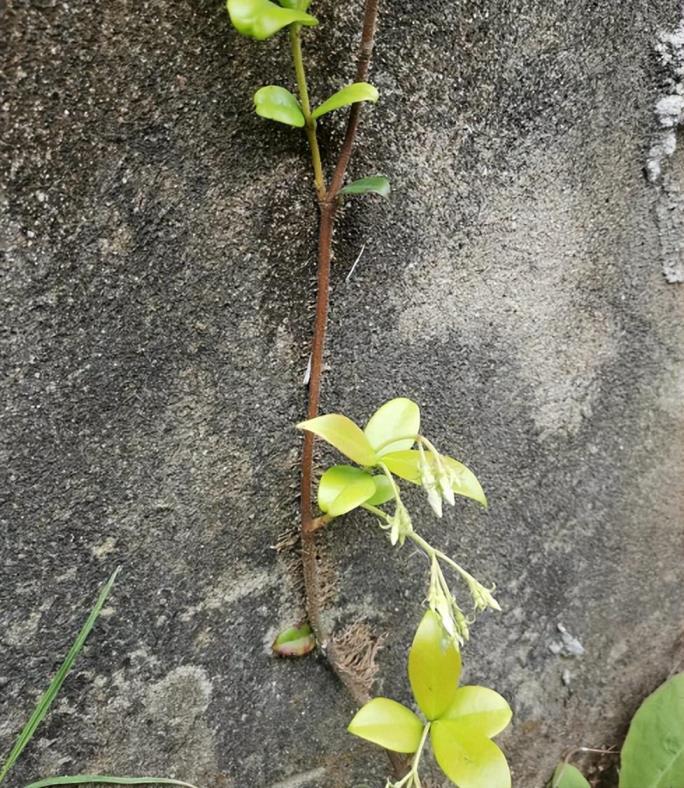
<point x="84" y="779"/>
<point x="56" y="684"/>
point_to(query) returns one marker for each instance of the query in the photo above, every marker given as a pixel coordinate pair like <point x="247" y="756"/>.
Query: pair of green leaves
<point x="386" y="440"/>
<point x="653" y="753"/>
<point x="262" y="19"/>
<point x="462" y="720"/>
<point x="276" y="103"/>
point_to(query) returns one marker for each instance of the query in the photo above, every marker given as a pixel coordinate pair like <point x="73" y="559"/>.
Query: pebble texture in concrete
<point x="157" y="271"/>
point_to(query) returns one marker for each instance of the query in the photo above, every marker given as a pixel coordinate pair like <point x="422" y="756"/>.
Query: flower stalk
<point x="440" y="598"/>
<point x="412" y="779"/>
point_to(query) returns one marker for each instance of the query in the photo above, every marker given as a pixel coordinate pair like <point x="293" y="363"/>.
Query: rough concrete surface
<point x="157" y="271"/>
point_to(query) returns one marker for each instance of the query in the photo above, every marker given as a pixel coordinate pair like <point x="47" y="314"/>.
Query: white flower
<point x="442" y="602"/>
<point x="435" y="476"/>
<point x="400" y="524"/>
<point x="482" y="597"/>
<point x="445" y="479"/>
<point x="429" y="482"/>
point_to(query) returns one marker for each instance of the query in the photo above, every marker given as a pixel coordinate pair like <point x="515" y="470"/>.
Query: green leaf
<point x="383" y="491"/>
<point x="295" y="642"/>
<point x="52" y="691"/>
<point x="483" y="710"/>
<point x="468" y="759"/>
<point x="567" y="776"/>
<point x="344" y="435"/>
<point x="653" y="752"/>
<point x="89" y="779"/>
<point x="343" y="488"/>
<point x="276" y="103"/>
<point x="434" y="667"/>
<point x="389" y="724"/>
<point x="393" y="426"/>
<point x="405" y="465"/>
<point x="351" y="94"/>
<point x="375" y="184"/>
<point x="261" y="19"/>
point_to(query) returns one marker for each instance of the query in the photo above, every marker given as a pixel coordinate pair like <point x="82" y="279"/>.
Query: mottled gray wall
<point x="156" y="314"/>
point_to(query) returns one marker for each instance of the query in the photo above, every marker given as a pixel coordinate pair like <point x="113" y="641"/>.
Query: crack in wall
<point x="665" y="162"/>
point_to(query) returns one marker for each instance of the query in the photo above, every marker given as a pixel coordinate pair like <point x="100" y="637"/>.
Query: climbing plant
<point x="390" y="448"/>
<point x="383" y="452"/>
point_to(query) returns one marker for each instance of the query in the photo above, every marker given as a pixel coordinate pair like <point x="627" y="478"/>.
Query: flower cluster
<point x="390" y="447"/>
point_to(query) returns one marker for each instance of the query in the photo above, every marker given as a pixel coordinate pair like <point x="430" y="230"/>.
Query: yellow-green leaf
<point x="468" y="759"/>
<point x="389" y="426"/>
<point x="653" y="753"/>
<point x="383" y="491"/>
<point x="344" y="435"/>
<point x="404" y="464"/>
<point x="276" y="103"/>
<point x="434" y="667"/>
<point x="481" y="709"/>
<point x="343" y="488"/>
<point x="351" y="94"/>
<point x="464" y="482"/>
<point x="261" y="19"/>
<point x="567" y="776"/>
<point x="389" y="724"/>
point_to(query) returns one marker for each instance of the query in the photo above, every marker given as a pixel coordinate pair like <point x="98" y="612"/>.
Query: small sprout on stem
<point x="294" y="642"/>
<point x="375" y="184"/>
<point x="400" y="524"/>
<point x="430" y="482"/>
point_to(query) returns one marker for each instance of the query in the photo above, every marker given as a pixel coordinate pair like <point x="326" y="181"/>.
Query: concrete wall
<point x="156" y="312"/>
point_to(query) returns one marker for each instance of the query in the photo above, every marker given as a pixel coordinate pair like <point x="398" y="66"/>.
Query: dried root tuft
<point x="356" y="650"/>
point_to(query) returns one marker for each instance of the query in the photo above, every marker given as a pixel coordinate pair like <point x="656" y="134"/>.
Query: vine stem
<point x="370" y="20"/>
<point x="327" y="208"/>
<point x="309" y="121"/>
<point x="327" y="204"/>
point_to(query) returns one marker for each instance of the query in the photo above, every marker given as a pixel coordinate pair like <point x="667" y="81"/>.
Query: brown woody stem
<point x="327" y="203"/>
